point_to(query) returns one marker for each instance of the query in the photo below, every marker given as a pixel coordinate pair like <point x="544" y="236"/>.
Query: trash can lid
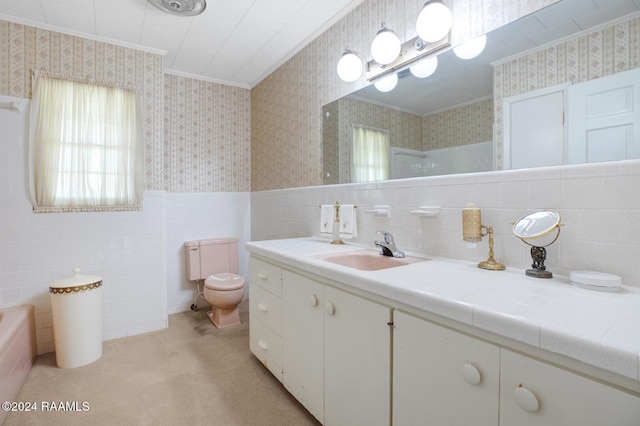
<point x="76" y="283"/>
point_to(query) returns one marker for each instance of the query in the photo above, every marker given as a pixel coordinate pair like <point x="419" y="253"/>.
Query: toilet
<point x="215" y="262"/>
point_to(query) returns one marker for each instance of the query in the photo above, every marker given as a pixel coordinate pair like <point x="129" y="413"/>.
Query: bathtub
<point x="17" y="350"/>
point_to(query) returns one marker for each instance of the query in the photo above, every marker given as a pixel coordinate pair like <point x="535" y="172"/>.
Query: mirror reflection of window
<point x="369" y="153"/>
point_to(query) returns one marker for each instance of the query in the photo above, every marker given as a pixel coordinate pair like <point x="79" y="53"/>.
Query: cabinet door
<point x="302" y="341"/>
<point x="357" y="357"/>
<point x="442" y="377"/>
<point x="536" y="393"/>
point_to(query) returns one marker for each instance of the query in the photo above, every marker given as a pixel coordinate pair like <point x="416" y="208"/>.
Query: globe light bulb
<point x="388" y="83"/>
<point x="472" y="48"/>
<point x="434" y="21"/>
<point x="385" y="47"/>
<point x="350" y="66"/>
<point x="425" y="67"/>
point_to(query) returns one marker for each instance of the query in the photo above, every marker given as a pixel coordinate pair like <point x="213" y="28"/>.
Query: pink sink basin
<point x="368" y="260"/>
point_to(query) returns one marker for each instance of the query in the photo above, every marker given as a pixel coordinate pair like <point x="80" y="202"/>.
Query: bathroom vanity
<point x="441" y="341"/>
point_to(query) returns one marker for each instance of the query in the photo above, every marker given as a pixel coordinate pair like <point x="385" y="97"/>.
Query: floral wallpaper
<point x="207" y="136"/>
<point x="597" y="54"/>
<point x="197" y="133"/>
<point x="286" y="118"/>
<point x="24" y="48"/>
<point x="463" y="125"/>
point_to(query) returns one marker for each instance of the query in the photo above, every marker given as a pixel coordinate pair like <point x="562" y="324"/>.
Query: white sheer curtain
<point x="369" y="154"/>
<point x="86" y="147"/>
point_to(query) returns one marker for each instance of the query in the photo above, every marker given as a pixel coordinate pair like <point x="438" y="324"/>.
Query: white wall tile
<point x="599" y="205"/>
<point x="133" y="252"/>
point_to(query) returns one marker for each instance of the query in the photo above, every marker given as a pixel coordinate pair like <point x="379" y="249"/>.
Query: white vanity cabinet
<point x="442" y="377"/>
<point x="336" y="352"/>
<point x="534" y="393"/>
<point x="303" y="341"/>
<point x="265" y="314"/>
<point x="356" y="358"/>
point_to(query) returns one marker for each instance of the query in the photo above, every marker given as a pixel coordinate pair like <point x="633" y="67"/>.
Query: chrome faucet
<point x="388" y="246"/>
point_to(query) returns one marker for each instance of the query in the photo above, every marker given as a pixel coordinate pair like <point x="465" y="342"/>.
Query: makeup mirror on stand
<point x="539" y="230"/>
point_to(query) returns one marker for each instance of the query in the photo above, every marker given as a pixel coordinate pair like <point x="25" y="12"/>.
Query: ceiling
<point x="236" y="42"/>
<point x="458" y="81"/>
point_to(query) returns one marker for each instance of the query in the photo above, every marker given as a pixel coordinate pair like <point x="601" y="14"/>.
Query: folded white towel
<point x="327" y="217"/>
<point x="348" y="225"/>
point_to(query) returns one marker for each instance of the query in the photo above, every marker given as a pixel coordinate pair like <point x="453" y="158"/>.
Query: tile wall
<point x="139" y="255"/>
<point x="195" y="216"/>
<point x="125" y="248"/>
<point x="197" y="147"/>
<point x="598" y="204"/>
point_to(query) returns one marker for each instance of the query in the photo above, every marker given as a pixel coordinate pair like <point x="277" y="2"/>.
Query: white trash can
<point x="76" y="305"/>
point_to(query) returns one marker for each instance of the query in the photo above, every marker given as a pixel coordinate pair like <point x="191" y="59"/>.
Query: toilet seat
<point x="224" y="282"/>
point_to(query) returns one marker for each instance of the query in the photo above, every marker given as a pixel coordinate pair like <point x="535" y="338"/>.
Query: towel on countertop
<point x="327" y="217"/>
<point x="348" y="225"/>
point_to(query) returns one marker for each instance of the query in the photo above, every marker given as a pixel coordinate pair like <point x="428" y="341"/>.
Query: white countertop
<point x="598" y="328"/>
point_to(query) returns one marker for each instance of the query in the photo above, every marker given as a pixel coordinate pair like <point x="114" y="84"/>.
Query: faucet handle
<point x="388" y="238"/>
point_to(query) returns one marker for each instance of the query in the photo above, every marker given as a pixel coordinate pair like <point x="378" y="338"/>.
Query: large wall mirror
<point x="445" y="123"/>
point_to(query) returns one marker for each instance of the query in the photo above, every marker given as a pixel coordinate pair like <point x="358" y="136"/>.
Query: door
<point x="534" y="129"/>
<point x="604" y="119"/>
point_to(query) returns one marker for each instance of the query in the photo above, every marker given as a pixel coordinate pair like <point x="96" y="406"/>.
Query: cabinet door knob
<point x="471" y="374"/>
<point x="262" y="307"/>
<point x="313" y="300"/>
<point x="329" y="308"/>
<point x="262" y="276"/>
<point x="263" y="345"/>
<point x="526" y="399"/>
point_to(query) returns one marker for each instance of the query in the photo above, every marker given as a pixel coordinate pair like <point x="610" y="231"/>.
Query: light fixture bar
<point x="411" y="51"/>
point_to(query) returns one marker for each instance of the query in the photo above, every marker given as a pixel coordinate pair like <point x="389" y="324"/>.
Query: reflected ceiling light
<point x="387" y="83"/>
<point x="425" y="67"/>
<point x="385" y="47"/>
<point x="350" y="66"/>
<point x="180" y="7"/>
<point x="472" y="48"/>
<point x="434" y="21"/>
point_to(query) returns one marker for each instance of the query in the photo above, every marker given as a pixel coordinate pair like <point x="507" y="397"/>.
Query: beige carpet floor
<point x="189" y="374"/>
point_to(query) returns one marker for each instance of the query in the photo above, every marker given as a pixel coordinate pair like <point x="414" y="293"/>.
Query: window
<point x="369" y="154"/>
<point x="85" y="146"/>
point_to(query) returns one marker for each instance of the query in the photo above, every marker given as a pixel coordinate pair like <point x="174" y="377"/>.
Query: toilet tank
<point x="208" y="257"/>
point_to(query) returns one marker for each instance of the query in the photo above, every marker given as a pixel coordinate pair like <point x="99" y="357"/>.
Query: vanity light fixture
<point x="180" y="7"/>
<point x="412" y="52"/>
<point x="434" y="21"/>
<point x="390" y="56"/>
<point x="385" y="47"/>
<point x="472" y="48"/>
<point x="350" y="66"/>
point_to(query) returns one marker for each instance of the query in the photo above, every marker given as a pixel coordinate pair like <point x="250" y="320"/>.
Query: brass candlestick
<point x="472" y="232"/>
<point x="335" y="234"/>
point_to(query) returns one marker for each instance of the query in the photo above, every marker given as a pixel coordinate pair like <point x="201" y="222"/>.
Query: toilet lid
<point x="226" y="281"/>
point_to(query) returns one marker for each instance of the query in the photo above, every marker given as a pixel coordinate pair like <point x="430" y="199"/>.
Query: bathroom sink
<point x="368" y="260"/>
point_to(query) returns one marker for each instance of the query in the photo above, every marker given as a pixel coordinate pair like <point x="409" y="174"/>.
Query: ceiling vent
<point x="180" y="7"/>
